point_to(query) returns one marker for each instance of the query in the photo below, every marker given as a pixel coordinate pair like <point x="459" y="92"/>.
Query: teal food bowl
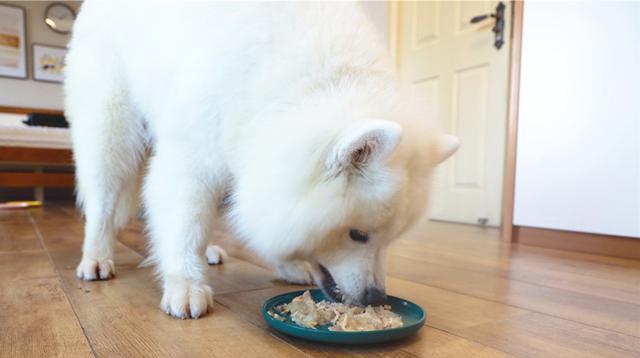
<point x="413" y="318"/>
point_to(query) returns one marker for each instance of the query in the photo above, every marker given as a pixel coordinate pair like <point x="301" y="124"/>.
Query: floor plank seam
<point x="619" y="264"/>
<point x="29" y="251"/>
<point x="283" y="341"/>
<point x="139" y="252"/>
<point x="574" y="251"/>
<point x="70" y="212"/>
<point x="586" y="257"/>
<point x="62" y="285"/>
<point x="244" y="291"/>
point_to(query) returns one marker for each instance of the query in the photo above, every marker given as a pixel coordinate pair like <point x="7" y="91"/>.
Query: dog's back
<point x="213" y="51"/>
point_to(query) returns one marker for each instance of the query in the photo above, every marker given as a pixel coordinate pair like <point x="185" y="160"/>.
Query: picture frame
<point x="48" y="63"/>
<point x="13" y="42"/>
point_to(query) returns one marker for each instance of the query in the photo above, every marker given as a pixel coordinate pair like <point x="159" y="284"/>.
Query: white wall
<point x="29" y="93"/>
<point x="578" y="155"/>
<point x="378" y="12"/>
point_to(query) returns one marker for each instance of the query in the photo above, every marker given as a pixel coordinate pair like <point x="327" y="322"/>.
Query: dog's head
<point x="382" y="191"/>
<point x="337" y="203"/>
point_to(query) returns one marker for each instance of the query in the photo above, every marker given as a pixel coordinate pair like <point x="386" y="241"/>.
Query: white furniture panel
<point x="14" y="133"/>
<point x="578" y="155"/>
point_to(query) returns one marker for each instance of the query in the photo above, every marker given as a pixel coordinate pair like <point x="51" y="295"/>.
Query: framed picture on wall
<point x="48" y="63"/>
<point x="13" y="48"/>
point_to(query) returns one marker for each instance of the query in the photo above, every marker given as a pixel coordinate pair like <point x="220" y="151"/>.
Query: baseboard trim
<point x="31" y="180"/>
<point x="617" y="246"/>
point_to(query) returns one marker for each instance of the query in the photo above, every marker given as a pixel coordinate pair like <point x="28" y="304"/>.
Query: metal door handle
<point x="498" y="28"/>
<point x="479" y="18"/>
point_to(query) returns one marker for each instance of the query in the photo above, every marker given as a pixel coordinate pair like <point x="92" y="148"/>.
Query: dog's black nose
<point x="374" y="296"/>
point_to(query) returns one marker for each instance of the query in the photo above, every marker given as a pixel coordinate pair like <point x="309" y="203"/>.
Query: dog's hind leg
<point x="108" y="140"/>
<point x="215" y="255"/>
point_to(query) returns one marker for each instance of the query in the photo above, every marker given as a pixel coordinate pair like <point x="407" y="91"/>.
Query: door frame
<point x="509" y="181"/>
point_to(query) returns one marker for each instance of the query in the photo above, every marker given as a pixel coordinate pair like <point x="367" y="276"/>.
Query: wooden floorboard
<point x="478" y="320"/>
<point x="483" y="298"/>
<point x="617" y="316"/>
<point x="36" y="318"/>
<point x="484" y="268"/>
<point x="537" y="335"/>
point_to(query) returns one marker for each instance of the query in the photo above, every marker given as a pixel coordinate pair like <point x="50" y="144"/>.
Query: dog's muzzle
<point x="372" y="296"/>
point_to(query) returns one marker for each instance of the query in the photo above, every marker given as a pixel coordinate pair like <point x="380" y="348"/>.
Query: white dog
<point x="290" y="110"/>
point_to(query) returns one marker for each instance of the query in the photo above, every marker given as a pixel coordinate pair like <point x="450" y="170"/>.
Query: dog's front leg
<point x="179" y="205"/>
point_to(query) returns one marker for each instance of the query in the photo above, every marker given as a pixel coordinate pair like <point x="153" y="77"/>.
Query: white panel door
<point x="578" y="157"/>
<point x="454" y="65"/>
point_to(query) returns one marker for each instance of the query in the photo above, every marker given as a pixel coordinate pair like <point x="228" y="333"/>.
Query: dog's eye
<point x="359" y="236"/>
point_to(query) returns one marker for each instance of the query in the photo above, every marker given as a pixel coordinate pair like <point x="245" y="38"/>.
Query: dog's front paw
<point x="182" y="299"/>
<point x="296" y="272"/>
<point x="93" y="269"/>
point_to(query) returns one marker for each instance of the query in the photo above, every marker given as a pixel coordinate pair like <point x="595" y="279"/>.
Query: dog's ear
<point x="444" y="146"/>
<point x="362" y="145"/>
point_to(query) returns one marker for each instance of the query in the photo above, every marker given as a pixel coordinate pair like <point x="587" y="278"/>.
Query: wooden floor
<point x="482" y="298"/>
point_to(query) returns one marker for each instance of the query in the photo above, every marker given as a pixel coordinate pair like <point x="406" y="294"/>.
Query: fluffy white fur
<point x="291" y="107"/>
